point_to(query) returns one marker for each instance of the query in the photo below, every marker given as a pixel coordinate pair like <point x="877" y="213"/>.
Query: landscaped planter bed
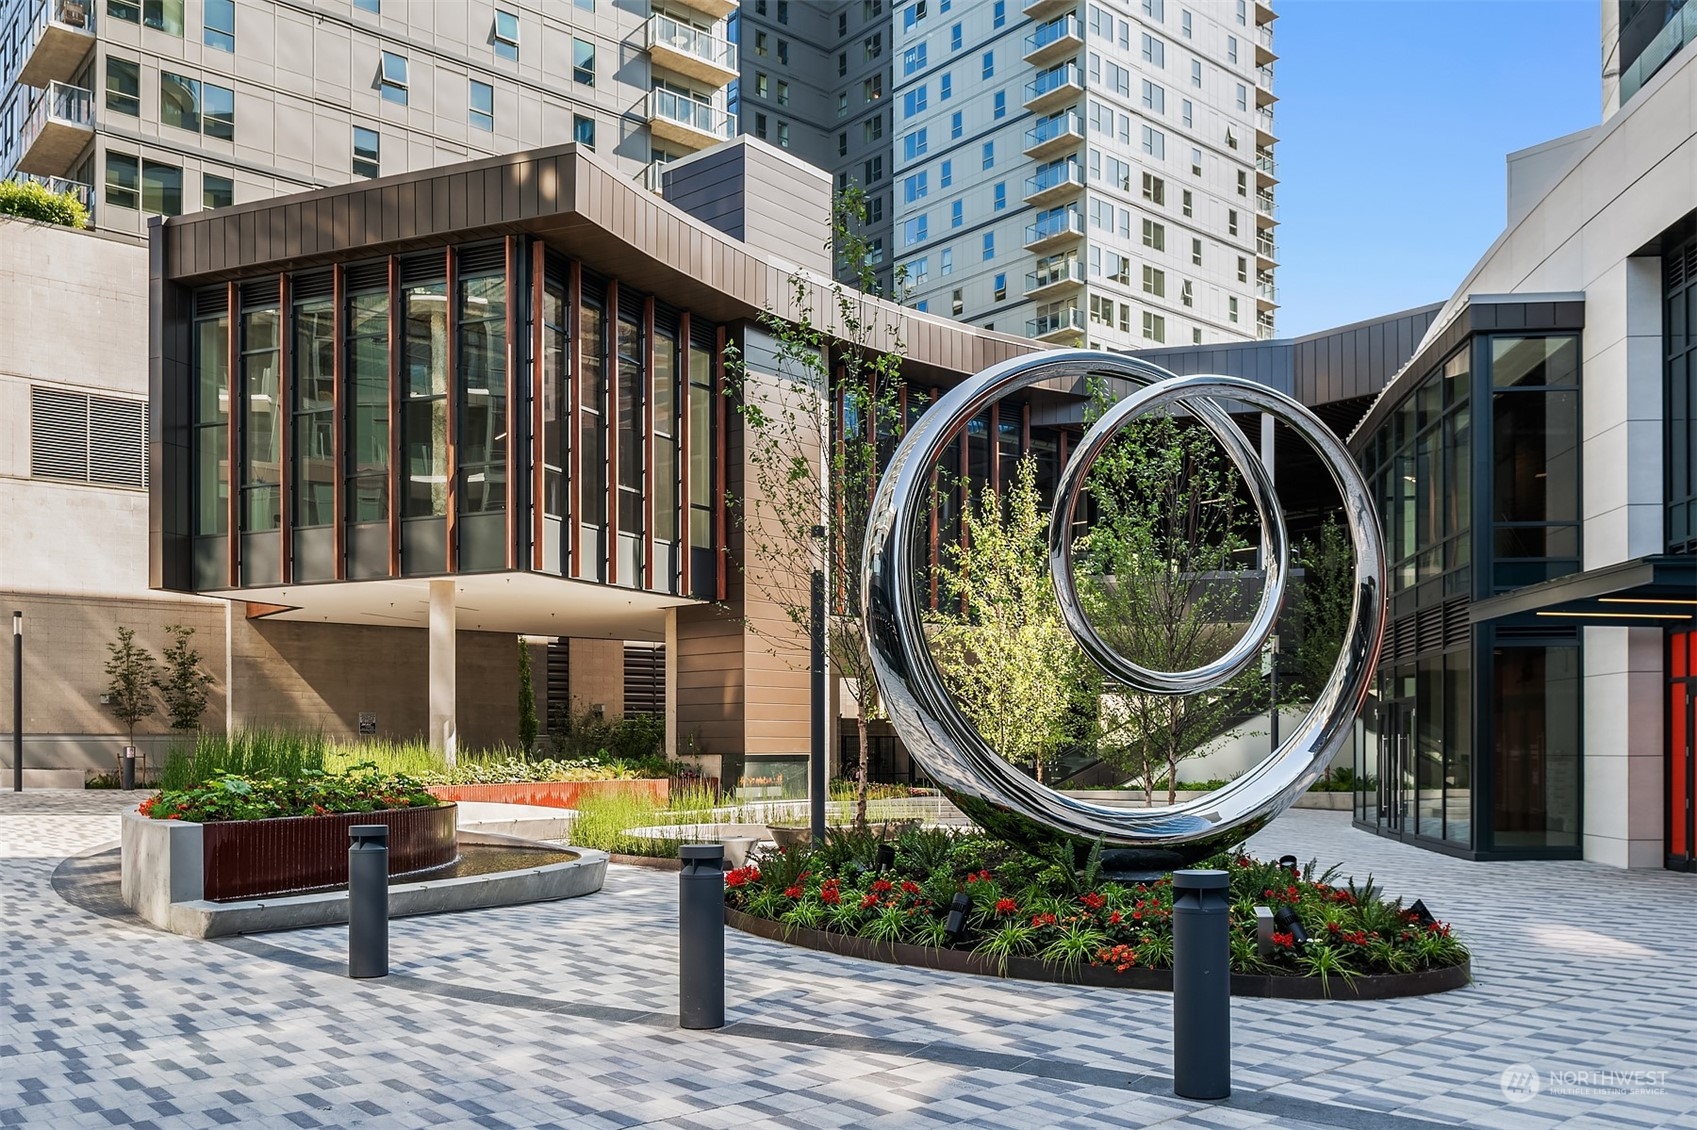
<point x="554" y="794"/>
<point x="1363" y="987"/>
<point x="244" y="858"/>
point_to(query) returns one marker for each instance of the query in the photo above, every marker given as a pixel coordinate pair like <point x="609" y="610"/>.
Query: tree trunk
<point x="862" y="783"/>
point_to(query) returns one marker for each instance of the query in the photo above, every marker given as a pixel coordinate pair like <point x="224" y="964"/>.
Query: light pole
<point x="816" y="672"/>
<point x="17" y="702"/>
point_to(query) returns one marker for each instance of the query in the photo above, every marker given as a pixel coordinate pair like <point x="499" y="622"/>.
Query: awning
<point x="1646" y="592"/>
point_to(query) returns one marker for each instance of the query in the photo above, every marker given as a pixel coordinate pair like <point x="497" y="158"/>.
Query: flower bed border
<point x="1365" y="987"/>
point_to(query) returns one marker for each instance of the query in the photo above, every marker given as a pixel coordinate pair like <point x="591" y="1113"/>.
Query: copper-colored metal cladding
<point x="571" y="521"/>
<point x="339" y="420"/>
<point x="396" y="451"/>
<point x="248" y="858"/>
<point x="645" y="564"/>
<point x="686" y="569"/>
<point x="232" y="433"/>
<point x="514" y="288"/>
<point x="538" y="395"/>
<point x="285" y="419"/>
<point x="451" y="506"/>
<point x="721" y="533"/>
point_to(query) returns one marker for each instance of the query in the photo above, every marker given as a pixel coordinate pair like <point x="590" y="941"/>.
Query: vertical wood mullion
<point x="511" y="285"/>
<point x="685" y="487"/>
<point x="232" y="434"/>
<point x="720" y="532"/>
<point x="610" y="422"/>
<point x="396" y="339"/>
<point x="993" y="447"/>
<point x="538" y="394"/>
<point x="338" y="421"/>
<point x="451" y="504"/>
<point x="285" y="428"/>
<point x="572" y="524"/>
<point x="649" y="366"/>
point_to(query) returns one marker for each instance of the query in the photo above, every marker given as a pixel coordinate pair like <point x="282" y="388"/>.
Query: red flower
<point x="1093" y="900"/>
<point x="1114" y="918"/>
<point x="741" y="875"/>
<point x="882" y="886"/>
<point x="1042" y="919"/>
<point x="792" y="892"/>
<point x="868" y="902"/>
<point x="910" y="886"/>
<point x="1288" y="941"/>
<point x="1006" y="906"/>
<point x="830" y="895"/>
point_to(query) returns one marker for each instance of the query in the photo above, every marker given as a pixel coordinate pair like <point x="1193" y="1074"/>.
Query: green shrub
<point x="312" y="794"/>
<point x="30" y="200"/>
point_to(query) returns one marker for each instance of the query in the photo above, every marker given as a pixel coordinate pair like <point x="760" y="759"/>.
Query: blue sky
<point x="1393" y="120"/>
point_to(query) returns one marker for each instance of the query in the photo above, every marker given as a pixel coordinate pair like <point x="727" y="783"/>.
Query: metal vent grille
<point x="88" y="439"/>
<point x="320" y="285"/>
<point x="1682" y="266"/>
<point x="489" y="259"/>
<point x="645" y="678"/>
<point x="260" y="292"/>
<point x="559" y="684"/>
<point x="428" y="267"/>
<point x="368" y="276"/>
<point x="211" y="300"/>
<point x="1457" y="630"/>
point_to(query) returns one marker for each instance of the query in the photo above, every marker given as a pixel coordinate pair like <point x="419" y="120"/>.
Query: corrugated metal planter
<point x="244" y="858"/>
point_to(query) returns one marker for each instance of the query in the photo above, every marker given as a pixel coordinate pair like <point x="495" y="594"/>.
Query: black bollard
<point x="368" y="900"/>
<point x="1201" y="985"/>
<point x="701" y="936"/>
<point x="127" y="769"/>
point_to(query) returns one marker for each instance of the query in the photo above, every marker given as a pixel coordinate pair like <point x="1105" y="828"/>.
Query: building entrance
<point x="1682" y="751"/>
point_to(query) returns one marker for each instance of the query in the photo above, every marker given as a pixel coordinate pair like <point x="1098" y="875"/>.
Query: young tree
<point x="527" y="701"/>
<point x="131" y="670"/>
<point x="183" y="681"/>
<point x="1007" y="655"/>
<point x="816" y="434"/>
<point x="1161" y="576"/>
<point x="1323" y="604"/>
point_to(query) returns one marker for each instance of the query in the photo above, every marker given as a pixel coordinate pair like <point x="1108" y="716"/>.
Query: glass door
<point x="1396" y="762"/>
<point x="1682" y="751"/>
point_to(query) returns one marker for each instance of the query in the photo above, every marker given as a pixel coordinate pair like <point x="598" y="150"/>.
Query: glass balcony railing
<point x="1056" y="174"/>
<point x="1264" y="120"/>
<point x="1264" y="163"/>
<point x="58" y="37"/>
<point x="1071" y="319"/>
<point x="1266" y="247"/>
<point x="1266" y="205"/>
<point x="1264" y="76"/>
<point x="1051" y="225"/>
<point x="58" y="185"/>
<point x="675" y="35"/>
<point x="1265" y="289"/>
<point x="1051" y="81"/>
<point x="1055" y="127"/>
<point x="1063" y="30"/>
<point x="702" y="117"/>
<point x="1667" y="43"/>
<point x="1264" y="36"/>
<point x="1056" y="270"/>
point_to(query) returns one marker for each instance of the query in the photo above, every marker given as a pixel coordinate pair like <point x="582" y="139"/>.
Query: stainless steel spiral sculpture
<point x="1005" y="800"/>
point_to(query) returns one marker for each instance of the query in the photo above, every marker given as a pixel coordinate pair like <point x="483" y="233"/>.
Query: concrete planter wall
<point x="554" y="794"/>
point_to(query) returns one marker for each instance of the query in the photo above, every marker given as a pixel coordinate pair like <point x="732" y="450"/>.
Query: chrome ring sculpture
<point x="936" y="733"/>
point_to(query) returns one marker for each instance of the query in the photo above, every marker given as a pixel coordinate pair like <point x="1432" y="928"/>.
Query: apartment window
<point x="1242" y="97"/>
<point x="760" y="132"/>
<point x="957" y="214"/>
<point x="161" y="189"/>
<point x="913" y="59"/>
<point x="842" y="24"/>
<point x="1154" y="326"/>
<point x="1243" y="13"/>
<point x="1155" y="235"/>
<point x="1154" y="97"/>
<point x="1102" y="214"/>
<point x="915" y="144"/>
<point x="989" y="246"/>
<point x="872" y="128"/>
<point x="842" y="63"/>
<point x="1187" y="204"/>
<point x="482" y="102"/>
<point x="165" y="16"/>
<point x="916" y="230"/>
<point x="583" y="62"/>
<point x="1184" y="22"/>
<point x="1231" y="48"/>
<point x="1155" y="10"/>
<point x="374" y="5"/>
<point x="842" y="138"/>
<point x="505" y="38"/>
<point x="760" y="7"/>
<point x="946" y="174"/>
<point x="218" y="25"/>
<point x="873" y="88"/>
<point x="915" y="187"/>
<point x="1231" y="138"/>
<point x="1154" y="281"/>
<point x="954" y="38"/>
<point x="784" y="52"/>
<point x="1231" y="221"/>
<point x="989" y="64"/>
<point x="783" y="135"/>
<point x="875" y="210"/>
<point x="1242" y="183"/>
<point x="842" y="105"/>
<point x="1154" y="51"/>
<point x="1196" y="252"/>
<point x="1231" y="308"/>
<point x="919" y="270"/>
<point x="947" y="258"/>
<point x="123" y="180"/>
<point x="1187" y="114"/>
<point x="783" y="11"/>
<point x="999" y="106"/>
<point x="366" y="146"/>
<point x="1000" y="196"/>
<point x="1195" y="162"/>
<point x="912" y="14"/>
<point x="945" y="87"/>
<point x="762" y="45"/>
<point x="999" y="291"/>
<point x="127" y="10"/>
<point x="1154" y="189"/>
<point x="873" y="170"/>
<point x="783" y="93"/>
<point x="88" y="439"/>
<point x="1242" y="269"/>
<point x="762" y="85"/>
<point x="915" y="101"/>
<point x="123" y="86"/>
<point x="198" y="107"/>
<point x="957" y="302"/>
<point x="1154" y="142"/>
<point x="989" y="155"/>
<point x="957" y="126"/>
<point x="1187" y="292"/>
<point x="873" y="46"/>
<point x="1101" y="311"/>
<point x="583" y="131"/>
<point x="392" y="77"/>
<point x="1196" y="335"/>
<point x="999" y="14"/>
<point x="1196" y="73"/>
<point x="871" y="9"/>
<point x="216" y="191"/>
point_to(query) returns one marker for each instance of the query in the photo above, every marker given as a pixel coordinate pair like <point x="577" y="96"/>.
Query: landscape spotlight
<point x="956" y="924"/>
<point x="1288" y="862"/>
<point x="886" y="857"/>
<point x="1289" y="923"/>
<point x="1421" y="915"/>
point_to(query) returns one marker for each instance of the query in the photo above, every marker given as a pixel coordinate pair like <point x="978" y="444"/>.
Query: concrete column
<point x="1625" y="753"/>
<point x="671" y="682"/>
<point x="443" y="732"/>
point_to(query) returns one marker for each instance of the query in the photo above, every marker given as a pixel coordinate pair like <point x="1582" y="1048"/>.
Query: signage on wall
<point x="367" y="724"/>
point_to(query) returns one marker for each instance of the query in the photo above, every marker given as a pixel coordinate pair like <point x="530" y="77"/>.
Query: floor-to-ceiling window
<point x="366" y="466"/>
<point x="313" y="428"/>
<point x="1535" y="695"/>
<point x="481" y="378"/>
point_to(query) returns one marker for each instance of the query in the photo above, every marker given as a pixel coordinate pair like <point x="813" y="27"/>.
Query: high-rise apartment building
<point x="168" y="106"/>
<point x="1095" y="172"/>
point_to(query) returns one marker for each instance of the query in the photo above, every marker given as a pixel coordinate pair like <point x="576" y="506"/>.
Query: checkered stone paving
<point x="562" y="1014"/>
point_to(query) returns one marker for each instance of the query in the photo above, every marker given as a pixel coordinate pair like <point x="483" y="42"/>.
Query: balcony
<point x="57" y="185"/>
<point x="1264" y="135"/>
<point x="60" y="37"/>
<point x="712" y="9"/>
<point x="687" y="122"/>
<point x="1054" y="135"/>
<point x="1053" y="276"/>
<point x="1266" y="206"/>
<point x="1264" y="13"/>
<point x="1043" y="9"/>
<point x="1055" y="40"/>
<point x="690" y="51"/>
<point x="1058" y="327"/>
<point x="1266" y="250"/>
<point x="1053" y="229"/>
<point x="1054" y="88"/>
<point x="1264" y="328"/>
<point x="1266" y="169"/>
<point x="1054" y="182"/>
<point x="1264" y="95"/>
<point x="1264" y="45"/>
<point x="1266" y="294"/>
<point x="59" y="127"/>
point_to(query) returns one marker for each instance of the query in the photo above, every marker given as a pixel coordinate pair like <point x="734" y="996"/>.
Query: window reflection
<point x="482" y="454"/>
<point x="314" y="416"/>
<point x="424" y="404"/>
<point x="368" y="410"/>
<point x="261" y="421"/>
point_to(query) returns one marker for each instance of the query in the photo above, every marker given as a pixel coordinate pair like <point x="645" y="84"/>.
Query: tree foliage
<point x="30" y="200"/>
<point x="528" y="726"/>
<point x="131" y="669"/>
<point x="183" y="682"/>
<point x="1162" y="577"/>
<point x="1324" y="603"/>
<point x="817" y="429"/>
<point x="1006" y="655"/>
